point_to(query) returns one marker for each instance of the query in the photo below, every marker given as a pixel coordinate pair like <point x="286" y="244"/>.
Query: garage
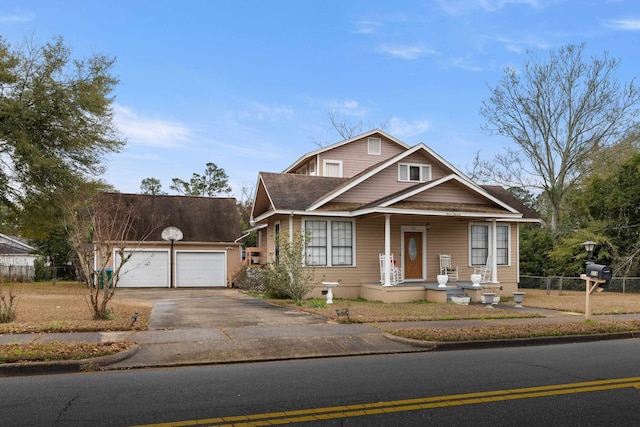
<point x="201" y="268"/>
<point x="145" y="268"/>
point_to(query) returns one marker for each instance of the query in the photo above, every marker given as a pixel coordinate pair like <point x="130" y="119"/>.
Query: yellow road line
<point x="359" y="410"/>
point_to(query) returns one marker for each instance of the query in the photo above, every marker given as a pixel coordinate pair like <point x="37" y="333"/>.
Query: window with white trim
<point x="375" y="146"/>
<point x="332" y="168"/>
<point x="312" y="168"/>
<point x="329" y="243"/>
<point x="480" y="240"/>
<point x="408" y="172"/>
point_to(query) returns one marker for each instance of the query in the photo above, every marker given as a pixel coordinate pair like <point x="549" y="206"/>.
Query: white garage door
<point x="201" y="269"/>
<point x="145" y="269"/>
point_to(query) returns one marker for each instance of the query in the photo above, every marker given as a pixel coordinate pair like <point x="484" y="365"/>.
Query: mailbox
<point x="599" y="271"/>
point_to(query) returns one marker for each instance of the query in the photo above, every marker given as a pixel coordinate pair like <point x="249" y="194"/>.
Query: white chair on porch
<point x="446" y="268"/>
<point x="395" y="273"/>
<point x="484" y="271"/>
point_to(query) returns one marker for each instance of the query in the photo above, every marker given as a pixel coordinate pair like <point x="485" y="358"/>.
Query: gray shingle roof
<point x="297" y="192"/>
<point x="201" y="219"/>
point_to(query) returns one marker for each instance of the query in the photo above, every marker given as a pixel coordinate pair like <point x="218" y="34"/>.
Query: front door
<point x="412" y="255"/>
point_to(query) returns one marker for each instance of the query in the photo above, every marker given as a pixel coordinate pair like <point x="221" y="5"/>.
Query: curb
<point x="514" y="342"/>
<point x="64" y="366"/>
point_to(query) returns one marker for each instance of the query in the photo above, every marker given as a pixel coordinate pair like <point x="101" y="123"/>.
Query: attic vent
<point x="375" y="146"/>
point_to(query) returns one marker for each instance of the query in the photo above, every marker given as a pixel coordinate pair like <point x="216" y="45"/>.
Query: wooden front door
<point x="412" y="255"/>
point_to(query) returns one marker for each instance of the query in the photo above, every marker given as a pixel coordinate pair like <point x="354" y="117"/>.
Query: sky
<point x="249" y="84"/>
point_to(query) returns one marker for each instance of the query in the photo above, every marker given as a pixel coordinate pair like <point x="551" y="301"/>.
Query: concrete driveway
<point x="190" y="308"/>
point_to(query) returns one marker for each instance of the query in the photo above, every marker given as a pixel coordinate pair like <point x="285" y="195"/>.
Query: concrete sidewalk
<point x="195" y="328"/>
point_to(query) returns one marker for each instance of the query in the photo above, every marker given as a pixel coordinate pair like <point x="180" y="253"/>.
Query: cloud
<point x="625" y="24"/>
<point x="259" y="111"/>
<point x="463" y="7"/>
<point x="16" y="18"/>
<point x="366" y="26"/>
<point x="147" y="131"/>
<point x="403" y="129"/>
<point x="406" y="52"/>
<point x="347" y="108"/>
<point x="521" y="46"/>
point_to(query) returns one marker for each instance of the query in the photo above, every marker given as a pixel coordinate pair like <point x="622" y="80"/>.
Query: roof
<point x="505" y="196"/>
<point x="311" y="154"/>
<point x="14" y="245"/>
<point x="201" y="219"/>
<point x="296" y="192"/>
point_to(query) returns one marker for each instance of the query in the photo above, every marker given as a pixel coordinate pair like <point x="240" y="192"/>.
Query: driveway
<point x="214" y="308"/>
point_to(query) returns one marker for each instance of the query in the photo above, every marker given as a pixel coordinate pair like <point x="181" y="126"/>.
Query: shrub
<point x="7" y="309"/>
<point x="290" y="277"/>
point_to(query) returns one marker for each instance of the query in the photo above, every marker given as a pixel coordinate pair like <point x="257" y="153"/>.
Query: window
<point x="330" y="242"/>
<point x="480" y="241"/>
<point x="375" y="146"/>
<point x="414" y="172"/>
<point x="312" y="168"/>
<point x="332" y="168"/>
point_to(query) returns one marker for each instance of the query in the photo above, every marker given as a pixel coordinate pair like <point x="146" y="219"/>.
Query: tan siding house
<point x="384" y="216"/>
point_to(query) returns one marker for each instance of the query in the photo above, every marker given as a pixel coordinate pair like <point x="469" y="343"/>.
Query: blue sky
<point x="249" y="85"/>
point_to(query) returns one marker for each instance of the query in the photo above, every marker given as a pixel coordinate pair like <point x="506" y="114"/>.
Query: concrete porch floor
<point x="425" y="290"/>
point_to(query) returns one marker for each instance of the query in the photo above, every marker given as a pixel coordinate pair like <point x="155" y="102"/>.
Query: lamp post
<point x="589" y="246"/>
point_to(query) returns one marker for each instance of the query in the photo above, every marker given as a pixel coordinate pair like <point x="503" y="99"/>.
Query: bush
<point x="7" y="309"/>
<point x="251" y="279"/>
<point x="42" y="273"/>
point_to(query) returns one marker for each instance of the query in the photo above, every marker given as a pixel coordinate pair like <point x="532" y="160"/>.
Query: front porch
<point x="425" y="291"/>
<point x="410" y="291"/>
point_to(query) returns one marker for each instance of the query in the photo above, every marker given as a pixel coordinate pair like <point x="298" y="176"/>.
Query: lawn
<point x="63" y="307"/>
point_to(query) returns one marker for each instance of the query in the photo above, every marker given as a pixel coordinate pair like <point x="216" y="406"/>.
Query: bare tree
<point x="100" y="230"/>
<point x="559" y="112"/>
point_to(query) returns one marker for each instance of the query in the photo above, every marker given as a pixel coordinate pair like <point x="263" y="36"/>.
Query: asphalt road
<point x="571" y="384"/>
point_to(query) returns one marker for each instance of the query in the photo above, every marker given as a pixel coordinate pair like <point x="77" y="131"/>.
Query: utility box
<point x="599" y="271"/>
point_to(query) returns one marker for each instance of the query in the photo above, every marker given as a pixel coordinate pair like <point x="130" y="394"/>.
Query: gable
<point x="352" y="155"/>
<point x="386" y="180"/>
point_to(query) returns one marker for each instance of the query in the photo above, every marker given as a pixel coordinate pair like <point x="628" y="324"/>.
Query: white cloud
<point x="521" y="46"/>
<point x="148" y="131"/>
<point x="404" y="129"/>
<point x="625" y="24"/>
<point x="16" y="18"/>
<point x="462" y="7"/>
<point x="347" y="108"/>
<point x="366" y="27"/>
<point x="406" y="52"/>
<point x="464" y="64"/>
<point x="261" y="111"/>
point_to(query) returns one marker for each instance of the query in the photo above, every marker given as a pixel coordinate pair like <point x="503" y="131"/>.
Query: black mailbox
<point x="599" y="271"/>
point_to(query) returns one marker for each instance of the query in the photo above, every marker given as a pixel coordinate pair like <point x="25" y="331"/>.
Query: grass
<point x="63" y="307"/>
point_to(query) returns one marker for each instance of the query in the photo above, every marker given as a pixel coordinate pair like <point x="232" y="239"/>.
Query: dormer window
<point x="375" y="146"/>
<point x="332" y="168"/>
<point x="414" y="172"/>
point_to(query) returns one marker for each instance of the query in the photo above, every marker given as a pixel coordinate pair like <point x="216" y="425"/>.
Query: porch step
<point x="455" y="292"/>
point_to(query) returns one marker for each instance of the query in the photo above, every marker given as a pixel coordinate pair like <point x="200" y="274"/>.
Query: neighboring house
<point x="374" y="195"/>
<point x="16" y="259"/>
<point x="203" y="255"/>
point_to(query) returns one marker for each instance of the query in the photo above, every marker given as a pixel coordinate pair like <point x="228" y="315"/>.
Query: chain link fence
<point x="560" y="283"/>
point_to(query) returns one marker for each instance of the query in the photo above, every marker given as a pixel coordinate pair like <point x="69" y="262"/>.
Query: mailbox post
<point x="596" y="276"/>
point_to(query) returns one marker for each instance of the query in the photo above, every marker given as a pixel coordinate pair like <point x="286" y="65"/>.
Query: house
<point x="378" y="214"/>
<point x="176" y="241"/>
<point x="16" y="259"/>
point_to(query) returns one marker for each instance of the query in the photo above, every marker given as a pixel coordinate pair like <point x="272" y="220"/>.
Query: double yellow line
<point x="348" y="411"/>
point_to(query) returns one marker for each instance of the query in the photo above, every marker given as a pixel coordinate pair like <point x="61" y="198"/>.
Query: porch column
<point x="494" y="251"/>
<point x="387" y="250"/>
